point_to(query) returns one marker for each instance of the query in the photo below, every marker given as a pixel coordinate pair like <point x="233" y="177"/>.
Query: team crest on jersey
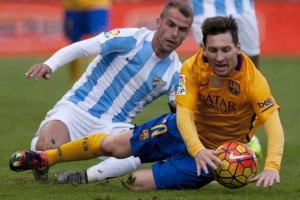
<point x="181" y="90"/>
<point x="158" y="83"/>
<point x="234" y="87"/>
<point x="144" y="135"/>
<point x="112" y="33"/>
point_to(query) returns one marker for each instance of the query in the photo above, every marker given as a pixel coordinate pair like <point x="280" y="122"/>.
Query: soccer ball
<point x="238" y="167"/>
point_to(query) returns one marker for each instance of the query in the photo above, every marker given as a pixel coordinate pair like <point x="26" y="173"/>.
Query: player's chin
<point x="170" y="48"/>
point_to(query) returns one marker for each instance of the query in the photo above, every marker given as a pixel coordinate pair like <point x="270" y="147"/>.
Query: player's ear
<point x="158" y="21"/>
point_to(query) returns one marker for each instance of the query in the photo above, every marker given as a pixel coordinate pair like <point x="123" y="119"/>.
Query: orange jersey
<point x="86" y="4"/>
<point x="225" y="107"/>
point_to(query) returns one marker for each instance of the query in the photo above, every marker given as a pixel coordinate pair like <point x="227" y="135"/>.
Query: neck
<point x="158" y="50"/>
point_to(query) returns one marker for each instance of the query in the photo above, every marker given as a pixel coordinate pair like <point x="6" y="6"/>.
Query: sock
<point x="112" y="167"/>
<point x="81" y="149"/>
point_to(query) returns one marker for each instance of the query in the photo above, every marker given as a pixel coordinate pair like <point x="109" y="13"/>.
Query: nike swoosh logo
<point x="233" y="157"/>
<point x="204" y="84"/>
<point x="128" y="59"/>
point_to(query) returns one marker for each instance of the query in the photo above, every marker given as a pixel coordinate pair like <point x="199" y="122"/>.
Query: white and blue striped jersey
<point x="126" y="77"/>
<point x="221" y="7"/>
<point x="242" y="10"/>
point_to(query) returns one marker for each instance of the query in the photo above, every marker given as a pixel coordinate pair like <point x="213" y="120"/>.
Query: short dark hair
<point x="183" y="7"/>
<point x="220" y="24"/>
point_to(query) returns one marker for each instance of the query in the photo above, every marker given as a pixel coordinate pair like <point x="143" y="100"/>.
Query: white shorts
<point x="247" y="30"/>
<point x="80" y="123"/>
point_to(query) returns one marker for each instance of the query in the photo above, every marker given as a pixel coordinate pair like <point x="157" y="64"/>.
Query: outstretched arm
<point x="274" y="132"/>
<point x="63" y="56"/>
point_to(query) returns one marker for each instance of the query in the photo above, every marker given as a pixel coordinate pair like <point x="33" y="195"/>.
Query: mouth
<point x="172" y="42"/>
<point x="221" y="67"/>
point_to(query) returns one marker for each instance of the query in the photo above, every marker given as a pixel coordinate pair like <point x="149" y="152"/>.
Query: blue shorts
<point x="92" y="22"/>
<point x="160" y="140"/>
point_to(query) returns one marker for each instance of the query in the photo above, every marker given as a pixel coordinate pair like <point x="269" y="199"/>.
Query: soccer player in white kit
<point x="133" y="68"/>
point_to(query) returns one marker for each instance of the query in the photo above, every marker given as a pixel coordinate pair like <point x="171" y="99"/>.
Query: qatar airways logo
<point x="218" y="104"/>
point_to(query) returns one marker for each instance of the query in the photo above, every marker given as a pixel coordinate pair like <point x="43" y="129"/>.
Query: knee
<point x="48" y="141"/>
<point x="52" y="135"/>
<point x="43" y="144"/>
<point x="109" y="146"/>
<point x="132" y="182"/>
<point x="140" y="180"/>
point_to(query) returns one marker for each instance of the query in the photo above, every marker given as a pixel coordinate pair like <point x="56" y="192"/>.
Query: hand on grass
<point x="267" y="178"/>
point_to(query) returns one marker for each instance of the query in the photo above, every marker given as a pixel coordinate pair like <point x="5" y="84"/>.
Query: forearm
<point x="71" y="52"/>
<point x="188" y="131"/>
<point x="275" y="134"/>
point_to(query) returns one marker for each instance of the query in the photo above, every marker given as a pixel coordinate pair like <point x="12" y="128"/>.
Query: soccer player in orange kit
<point x="221" y="97"/>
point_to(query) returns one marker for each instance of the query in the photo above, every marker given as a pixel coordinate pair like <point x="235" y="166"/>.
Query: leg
<point x="82" y="149"/>
<point x="112" y="167"/>
<point x="52" y="135"/>
<point x="249" y="35"/>
<point x="117" y="146"/>
<point x="141" y="180"/>
<point x="120" y="147"/>
<point x="177" y="172"/>
<point x="90" y="147"/>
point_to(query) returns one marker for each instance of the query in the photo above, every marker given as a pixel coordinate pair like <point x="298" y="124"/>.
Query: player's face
<point x="221" y="53"/>
<point x="171" y="30"/>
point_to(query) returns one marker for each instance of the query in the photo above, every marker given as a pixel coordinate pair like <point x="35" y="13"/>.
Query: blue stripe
<point x="198" y="7"/>
<point x="174" y="81"/>
<point x="239" y="6"/>
<point x="121" y="79"/>
<point x="252" y="3"/>
<point x="158" y="71"/>
<point x="82" y="92"/>
<point x="220" y="7"/>
<point x="118" y="44"/>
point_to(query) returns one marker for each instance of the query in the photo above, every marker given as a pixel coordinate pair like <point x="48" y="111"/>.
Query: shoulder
<point x="124" y="32"/>
<point x="249" y="71"/>
<point x="195" y="62"/>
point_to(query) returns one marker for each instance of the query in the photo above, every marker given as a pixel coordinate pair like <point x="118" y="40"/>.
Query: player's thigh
<point x="248" y="33"/>
<point x="179" y="172"/>
<point x="78" y="122"/>
<point x="117" y="145"/>
<point x="53" y="134"/>
<point x="157" y="139"/>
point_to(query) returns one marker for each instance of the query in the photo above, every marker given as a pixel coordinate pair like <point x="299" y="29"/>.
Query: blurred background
<point x="35" y="27"/>
<point x="32" y="30"/>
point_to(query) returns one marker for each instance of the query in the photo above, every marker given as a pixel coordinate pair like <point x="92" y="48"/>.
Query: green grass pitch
<point x="24" y="103"/>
